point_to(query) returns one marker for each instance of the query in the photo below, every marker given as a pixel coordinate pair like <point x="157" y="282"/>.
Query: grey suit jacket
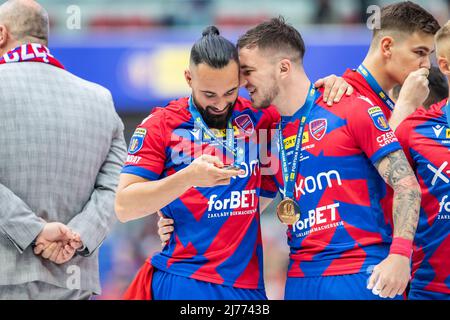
<point x="61" y="152"/>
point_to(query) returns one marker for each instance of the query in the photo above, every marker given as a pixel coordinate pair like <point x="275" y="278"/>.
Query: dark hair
<point x="213" y="49"/>
<point x="274" y="34"/>
<point x="407" y="17"/>
<point x="438" y="87"/>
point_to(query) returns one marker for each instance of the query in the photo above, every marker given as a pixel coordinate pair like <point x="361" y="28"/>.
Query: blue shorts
<point x="341" y="287"/>
<point x="167" y="286"/>
<point x="416" y="294"/>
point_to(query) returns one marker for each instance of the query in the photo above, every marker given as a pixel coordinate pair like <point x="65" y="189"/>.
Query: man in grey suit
<point x="61" y="152"/>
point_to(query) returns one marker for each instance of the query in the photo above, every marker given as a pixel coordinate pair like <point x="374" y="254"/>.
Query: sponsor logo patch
<point x="219" y="133"/>
<point x="437" y="130"/>
<point x="289" y="142"/>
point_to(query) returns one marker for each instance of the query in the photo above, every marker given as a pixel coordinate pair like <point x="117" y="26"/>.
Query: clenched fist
<point x="415" y="89"/>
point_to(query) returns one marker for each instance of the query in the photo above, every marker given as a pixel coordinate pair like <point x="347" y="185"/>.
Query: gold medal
<point x="288" y="211"/>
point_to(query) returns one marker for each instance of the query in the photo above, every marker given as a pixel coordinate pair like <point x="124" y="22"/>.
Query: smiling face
<point x="409" y="54"/>
<point x="258" y="74"/>
<point x="214" y="91"/>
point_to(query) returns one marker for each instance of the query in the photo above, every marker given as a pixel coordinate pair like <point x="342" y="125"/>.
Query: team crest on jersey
<point x="137" y="140"/>
<point x="245" y="123"/>
<point x="379" y="119"/>
<point x="318" y="128"/>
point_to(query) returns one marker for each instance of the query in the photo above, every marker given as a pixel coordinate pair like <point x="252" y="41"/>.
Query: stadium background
<point x="138" y="49"/>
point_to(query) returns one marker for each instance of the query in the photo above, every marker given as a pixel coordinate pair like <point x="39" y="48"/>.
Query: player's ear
<point x="386" y="45"/>
<point x="444" y="65"/>
<point x="188" y="77"/>
<point x="3" y="36"/>
<point x="284" y="68"/>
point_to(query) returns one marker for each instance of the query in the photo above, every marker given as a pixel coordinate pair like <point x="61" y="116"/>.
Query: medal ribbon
<point x="34" y="52"/>
<point x="229" y="142"/>
<point x="447" y="110"/>
<point x="290" y="175"/>
<point x="376" y="87"/>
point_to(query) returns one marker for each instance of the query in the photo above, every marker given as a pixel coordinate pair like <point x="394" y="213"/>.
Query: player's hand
<point x="390" y="277"/>
<point x="165" y="228"/>
<point x="206" y="171"/>
<point x="414" y="91"/>
<point x="334" y="88"/>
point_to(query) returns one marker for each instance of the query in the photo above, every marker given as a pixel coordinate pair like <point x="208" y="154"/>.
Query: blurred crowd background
<point x="138" y="49"/>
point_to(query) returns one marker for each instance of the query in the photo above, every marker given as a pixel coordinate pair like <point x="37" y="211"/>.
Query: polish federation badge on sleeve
<point x="379" y="119"/>
<point x="137" y="140"/>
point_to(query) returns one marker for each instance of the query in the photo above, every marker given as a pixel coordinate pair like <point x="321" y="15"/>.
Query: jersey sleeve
<point x="146" y="152"/>
<point x="403" y="133"/>
<point x="370" y="129"/>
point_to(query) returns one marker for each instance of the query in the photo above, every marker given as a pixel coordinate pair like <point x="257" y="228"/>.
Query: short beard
<point x="268" y="99"/>
<point x="214" y="121"/>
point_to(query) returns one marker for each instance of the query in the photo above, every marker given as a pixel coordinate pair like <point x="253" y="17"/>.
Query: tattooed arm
<point x="397" y="173"/>
<point x="391" y="276"/>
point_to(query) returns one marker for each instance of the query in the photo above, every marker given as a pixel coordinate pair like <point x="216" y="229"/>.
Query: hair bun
<point x="210" y="31"/>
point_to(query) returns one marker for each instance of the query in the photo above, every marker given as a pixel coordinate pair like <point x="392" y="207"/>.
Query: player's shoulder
<point x="171" y="115"/>
<point x="358" y="110"/>
<point x="176" y="108"/>
<point x="350" y="74"/>
<point x="422" y="114"/>
<point x="436" y="110"/>
<point x="355" y="79"/>
<point x="263" y="116"/>
<point x="360" y="101"/>
<point x="243" y="104"/>
<point x="353" y="102"/>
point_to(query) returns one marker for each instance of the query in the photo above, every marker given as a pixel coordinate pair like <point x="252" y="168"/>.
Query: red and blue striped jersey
<point x="342" y="228"/>
<point x="217" y="236"/>
<point x="362" y="87"/>
<point x="425" y="137"/>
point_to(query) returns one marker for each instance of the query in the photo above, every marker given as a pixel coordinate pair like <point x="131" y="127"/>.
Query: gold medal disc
<point x="288" y="211"/>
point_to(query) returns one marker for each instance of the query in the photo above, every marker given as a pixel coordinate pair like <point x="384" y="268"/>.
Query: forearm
<point x="403" y="108"/>
<point x="406" y="208"/>
<point x="17" y="221"/>
<point x="401" y="112"/>
<point x="143" y="198"/>
<point x="398" y="174"/>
